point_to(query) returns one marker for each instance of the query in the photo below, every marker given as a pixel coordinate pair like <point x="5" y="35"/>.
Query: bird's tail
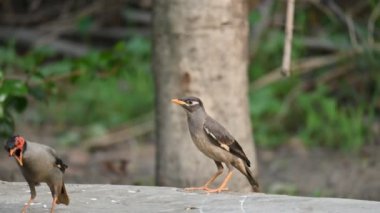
<point x="252" y="180"/>
<point x="63" y="197"/>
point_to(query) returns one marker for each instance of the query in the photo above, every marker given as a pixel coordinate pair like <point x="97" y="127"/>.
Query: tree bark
<point x="200" y="49"/>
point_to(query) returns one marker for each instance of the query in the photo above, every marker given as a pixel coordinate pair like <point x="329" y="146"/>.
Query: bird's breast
<point x="37" y="166"/>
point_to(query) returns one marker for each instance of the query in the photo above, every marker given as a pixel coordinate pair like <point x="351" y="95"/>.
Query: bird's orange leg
<point x="205" y="187"/>
<point x="53" y="204"/>
<point x="27" y="205"/>
<point x="222" y="186"/>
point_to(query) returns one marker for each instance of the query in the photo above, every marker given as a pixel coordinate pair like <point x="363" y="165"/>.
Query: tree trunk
<point x="200" y="49"/>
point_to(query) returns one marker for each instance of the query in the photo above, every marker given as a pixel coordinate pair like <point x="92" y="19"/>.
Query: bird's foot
<point x="217" y="190"/>
<point x="208" y="190"/>
<point x="204" y="188"/>
<point x="23" y="210"/>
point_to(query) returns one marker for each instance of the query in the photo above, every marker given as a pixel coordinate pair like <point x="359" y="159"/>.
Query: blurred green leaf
<point x="6" y="127"/>
<point x="58" y="68"/>
<point x="14" y="87"/>
<point x="84" y="24"/>
<point x="254" y="16"/>
<point x="38" y="92"/>
<point x="18" y="103"/>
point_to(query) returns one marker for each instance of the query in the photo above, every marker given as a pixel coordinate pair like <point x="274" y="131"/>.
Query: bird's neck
<point x="25" y="147"/>
<point x="197" y="118"/>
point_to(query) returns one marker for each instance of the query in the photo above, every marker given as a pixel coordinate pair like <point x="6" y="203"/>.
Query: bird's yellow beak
<point x="12" y="151"/>
<point x="177" y="101"/>
<point x="18" y="158"/>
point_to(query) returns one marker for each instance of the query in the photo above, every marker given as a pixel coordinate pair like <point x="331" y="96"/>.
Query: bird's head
<point x="190" y="104"/>
<point x="15" y="146"/>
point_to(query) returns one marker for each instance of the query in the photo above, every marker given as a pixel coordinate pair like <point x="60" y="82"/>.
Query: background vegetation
<point x="76" y="75"/>
<point x="332" y="99"/>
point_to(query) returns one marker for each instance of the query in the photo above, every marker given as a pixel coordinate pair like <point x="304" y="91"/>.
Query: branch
<point x="325" y="79"/>
<point x="303" y="66"/>
<point x="111" y="33"/>
<point x="30" y="38"/>
<point x="55" y="28"/>
<point x="323" y="8"/>
<point x="261" y="27"/>
<point x="121" y="134"/>
<point x="138" y="16"/>
<point x="347" y="19"/>
<point x="371" y="23"/>
<point x="352" y="31"/>
<point x="288" y="38"/>
<point x="32" y="18"/>
<point x="320" y="44"/>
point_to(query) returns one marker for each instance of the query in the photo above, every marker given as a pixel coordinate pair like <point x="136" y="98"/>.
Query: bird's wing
<point x="58" y="162"/>
<point x="220" y="137"/>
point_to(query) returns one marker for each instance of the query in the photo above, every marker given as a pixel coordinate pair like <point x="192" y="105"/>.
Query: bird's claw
<point x="218" y="190"/>
<point x="208" y="190"/>
<point x="204" y="188"/>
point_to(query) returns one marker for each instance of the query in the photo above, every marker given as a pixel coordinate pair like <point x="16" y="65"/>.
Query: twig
<point x="29" y="19"/>
<point x="322" y="44"/>
<point x="55" y="79"/>
<point x="371" y="23"/>
<point x="57" y="27"/>
<point x="111" y="33"/>
<point x="76" y="73"/>
<point x="261" y="27"/>
<point x="303" y="66"/>
<point x="288" y="38"/>
<point x="358" y="7"/>
<point x="323" y="8"/>
<point x="352" y="31"/>
<point x="336" y="10"/>
<point x="347" y="19"/>
<point x="335" y="73"/>
<point x="138" y="16"/>
<point x="329" y="76"/>
<point x="35" y="5"/>
<point x="70" y="19"/>
<point x="30" y="37"/>
<point x="121" y="134"/>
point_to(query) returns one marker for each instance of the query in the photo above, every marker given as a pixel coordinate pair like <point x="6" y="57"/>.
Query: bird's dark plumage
<point x="216" y="142"/>
<point x="60" y="165"/>
<point x="39" y="163"/>
<point x="220" y="137"/>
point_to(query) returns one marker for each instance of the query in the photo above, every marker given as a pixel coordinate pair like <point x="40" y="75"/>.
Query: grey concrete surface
<point x="116" y="198"/>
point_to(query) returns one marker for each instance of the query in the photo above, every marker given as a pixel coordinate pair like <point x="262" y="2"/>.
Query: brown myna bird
<point x="215" y="142"/>
<point x="39" y="163"/>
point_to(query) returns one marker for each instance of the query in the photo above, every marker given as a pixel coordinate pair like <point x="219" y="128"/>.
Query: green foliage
<point x="337" y="115"/>
<point x="84" y="24"/>
<point x="111" y="100"/>
<point x="326" y="123"/>
<point x="108" y="87"/>
<point x="12" y="97"/>
<point x="316" y="117"/>
<point x="265" y="106"/>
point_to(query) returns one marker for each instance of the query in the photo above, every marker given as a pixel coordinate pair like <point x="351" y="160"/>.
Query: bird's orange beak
<point x="18" y="158"/>
<point x="177" y="101"/>
<point x="12" y="151"/>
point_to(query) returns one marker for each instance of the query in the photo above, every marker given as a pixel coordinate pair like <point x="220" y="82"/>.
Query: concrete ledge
<point x="123" y="198"/>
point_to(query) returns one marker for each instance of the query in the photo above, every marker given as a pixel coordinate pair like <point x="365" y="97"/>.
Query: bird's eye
<point x="191" y="103"/>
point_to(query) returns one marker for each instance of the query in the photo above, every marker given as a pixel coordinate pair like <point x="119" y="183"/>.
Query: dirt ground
<point x="290" y="169"/>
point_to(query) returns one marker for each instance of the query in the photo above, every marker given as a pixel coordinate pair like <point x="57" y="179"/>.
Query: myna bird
<point x="39" y="163"/>
<point x="215" y="142"/>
